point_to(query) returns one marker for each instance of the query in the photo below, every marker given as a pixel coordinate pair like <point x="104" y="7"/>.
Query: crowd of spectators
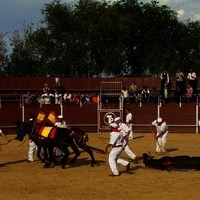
<point x="57" y="95"/>
<point x="185" y="90"/>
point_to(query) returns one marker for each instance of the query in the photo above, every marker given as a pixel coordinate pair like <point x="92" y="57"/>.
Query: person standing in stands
<point x="164" y="77"/>
<point x="192" y="80"/>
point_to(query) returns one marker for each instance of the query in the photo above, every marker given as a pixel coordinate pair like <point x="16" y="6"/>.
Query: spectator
<point x="67" y="97"/>
<point x="154" y="95"/>
<point x="125" y="95"/>
<point x="180" y="82"/>
<point x="192" y="80"/>
<point x="177" y="94"/>
<point x="46" y="88"/>
<point x="58" y="97"/>
<point x="133" y="93"/>
<point x="95" y="99"/>
<point x="87" y="99"/>
<point x="189" y="93"/>
<point x="28" y="98"/>
<point x="47" y="97"/>
<point x="145" y="95"/>
<point x="75" y="99"/>
<point x="133" y="87"/>
<point x="164" y="77"/>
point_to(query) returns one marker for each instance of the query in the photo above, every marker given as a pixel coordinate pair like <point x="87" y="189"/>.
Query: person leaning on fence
<point x="159" y="130"/>
<point x="116" y="141"/>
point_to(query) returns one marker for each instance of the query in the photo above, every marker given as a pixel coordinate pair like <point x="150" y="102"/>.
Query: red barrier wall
<point x="86" y="116"/>
<point x="36" y="83"/>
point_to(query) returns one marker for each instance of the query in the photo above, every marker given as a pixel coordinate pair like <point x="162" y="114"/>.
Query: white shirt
<point x="62" y="124"/>
<point x="116" y="138"/>
<point x="162" y="128"/>
<point x="191" y="76"/>
<point x="125" y="93"/>
<point x="1" y="131"/>
<point x="129" y="118"/>
<point x="124" y="129"/>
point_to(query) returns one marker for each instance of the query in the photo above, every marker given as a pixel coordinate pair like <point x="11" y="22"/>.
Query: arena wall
<point x="180" y="119"/>
<point x="36" y="83"/>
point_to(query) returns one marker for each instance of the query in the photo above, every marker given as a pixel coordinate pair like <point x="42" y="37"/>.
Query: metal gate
<point x="110" y="104"/>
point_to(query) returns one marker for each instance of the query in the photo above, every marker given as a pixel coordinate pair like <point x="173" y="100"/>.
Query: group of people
<point x="185" y="87"/>
<point x="120" y="135"/>
<point x="119" y="138"/>
<point x="33" y="147"/>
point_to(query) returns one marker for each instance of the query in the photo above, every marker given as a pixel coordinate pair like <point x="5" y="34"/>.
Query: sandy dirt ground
<point x="22" y="180"/>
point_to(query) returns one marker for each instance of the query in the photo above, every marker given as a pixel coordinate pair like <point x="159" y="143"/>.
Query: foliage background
<point x="97" y="38"/>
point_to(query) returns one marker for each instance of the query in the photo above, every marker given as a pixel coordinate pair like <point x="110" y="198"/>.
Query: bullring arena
<point x="23" y="180"/>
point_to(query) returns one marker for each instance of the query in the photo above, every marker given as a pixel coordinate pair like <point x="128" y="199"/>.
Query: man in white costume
<point x="160" y="132"/>
<point x="116" y="141"/>
<point x="125" y="131"/>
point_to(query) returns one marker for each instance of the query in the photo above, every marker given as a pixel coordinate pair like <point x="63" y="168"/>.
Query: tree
<point x="3" y="55"/>
<point x="94" y="37"/>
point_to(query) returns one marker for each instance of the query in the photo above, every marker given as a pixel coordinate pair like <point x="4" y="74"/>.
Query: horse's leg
<point x="48" y="153"/>
<point x="65" y="157"/>
<point x="77" y="153"/>
<point x="89" y="151"/>
<point x="39" y="153"/>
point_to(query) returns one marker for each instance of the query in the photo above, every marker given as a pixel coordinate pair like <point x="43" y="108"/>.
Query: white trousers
<point x="114" y="159"/>
<point x="32" y="149"/>
<point x="128" y="150"/>
<point x="130" y="137"/>
<point x="161" y="143"/>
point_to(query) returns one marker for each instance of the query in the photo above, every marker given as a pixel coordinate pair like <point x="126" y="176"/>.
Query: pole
<point x="197" y="115"/>
<point x="61" y="109"/>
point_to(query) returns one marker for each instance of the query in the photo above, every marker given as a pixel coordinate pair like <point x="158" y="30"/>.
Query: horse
<point x="49" y="138"/>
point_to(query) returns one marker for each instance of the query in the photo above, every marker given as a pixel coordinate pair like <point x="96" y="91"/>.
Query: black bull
<point x="63" y="139"/>
<point x="172" y="163"/>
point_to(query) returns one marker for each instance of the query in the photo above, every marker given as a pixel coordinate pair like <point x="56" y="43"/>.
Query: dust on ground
<point x="21" y="180"/>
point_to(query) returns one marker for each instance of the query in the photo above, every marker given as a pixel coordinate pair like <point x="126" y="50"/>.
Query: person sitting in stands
<point x="28" y="98"/>
<point x="46" y="88"/>
<point x="95" y="99"/>
<point x="133" y="93"/>
<point x="154" y="95"/>
<point x="75" y="99"/>
<point x="47" y="97"/>
<point x="67" y="97"/>
<point x="189" y="93"/>
<point x="145" y="94"/>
